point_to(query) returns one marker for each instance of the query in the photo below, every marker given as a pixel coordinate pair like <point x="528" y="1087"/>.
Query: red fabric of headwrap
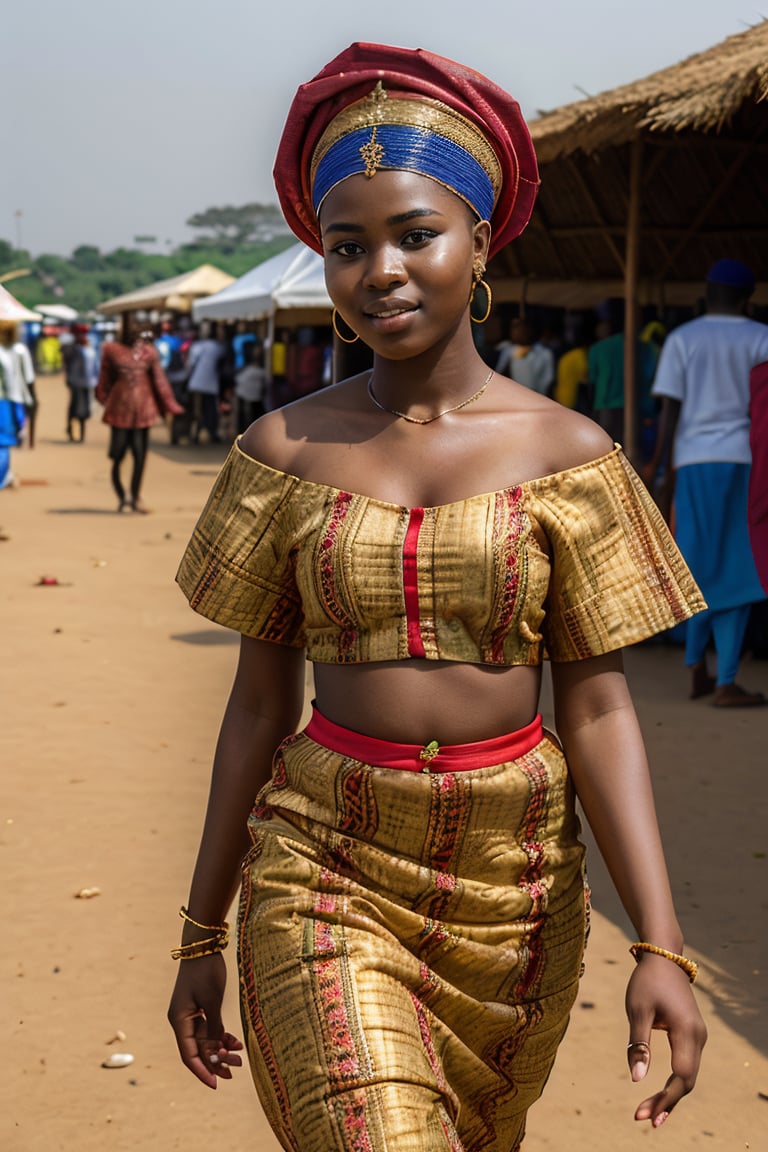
<point x="406" y="71"/>
<point x="758" y="477"/>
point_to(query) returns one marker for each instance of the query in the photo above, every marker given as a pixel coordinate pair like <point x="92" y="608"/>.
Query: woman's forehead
<point x="388" y="193"/>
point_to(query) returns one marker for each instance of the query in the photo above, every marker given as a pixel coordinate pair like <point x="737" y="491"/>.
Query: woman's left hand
<point x="660" y="997"/>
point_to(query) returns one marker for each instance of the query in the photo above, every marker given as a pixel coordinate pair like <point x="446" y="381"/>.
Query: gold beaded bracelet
<point x="219" y="929"/>
<point x="690" y="967"/>
<point x="196" y="948"/>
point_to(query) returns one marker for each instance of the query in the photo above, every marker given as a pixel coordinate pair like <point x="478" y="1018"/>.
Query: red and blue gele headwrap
<point x="377" y="107"/>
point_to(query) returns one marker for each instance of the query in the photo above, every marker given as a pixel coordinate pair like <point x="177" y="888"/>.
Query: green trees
<point x="230" y="227"/>
<point x="233" y="238"/>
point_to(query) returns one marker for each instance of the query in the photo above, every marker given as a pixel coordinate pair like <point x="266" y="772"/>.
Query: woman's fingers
<point x="639" y="1058"/>
<point x="660" y="1000"/>
<point x="686" y="1045"/>
<point x="216" y="1052"/>
<point x="657" y="1108"/>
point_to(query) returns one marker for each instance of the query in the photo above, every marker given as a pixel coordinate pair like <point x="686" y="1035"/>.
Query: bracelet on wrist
<point x="690" y="967"/>
<point x="208" y="945"/>
<point x="199" y="948"/>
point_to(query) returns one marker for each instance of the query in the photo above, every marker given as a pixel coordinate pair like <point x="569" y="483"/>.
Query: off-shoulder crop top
<point x="354" y="579"/>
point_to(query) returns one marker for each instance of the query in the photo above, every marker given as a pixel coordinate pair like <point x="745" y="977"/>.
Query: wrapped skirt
<point x="411" y="934"/>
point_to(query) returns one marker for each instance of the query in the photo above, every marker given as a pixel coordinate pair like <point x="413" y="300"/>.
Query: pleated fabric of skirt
<point x="410" y="940"/>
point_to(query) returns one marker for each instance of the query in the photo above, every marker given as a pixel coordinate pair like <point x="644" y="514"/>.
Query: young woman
<point x="412" y="915"/>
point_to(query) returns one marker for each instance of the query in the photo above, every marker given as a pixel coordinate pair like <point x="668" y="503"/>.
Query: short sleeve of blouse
<point x="617" y="575"/>
<point x="238" y="568"/>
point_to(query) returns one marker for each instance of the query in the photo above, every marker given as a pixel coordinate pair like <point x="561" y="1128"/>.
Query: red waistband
<point x="432" y="757"/>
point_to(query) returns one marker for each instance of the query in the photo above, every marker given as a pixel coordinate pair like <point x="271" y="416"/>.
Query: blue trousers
<point x="727" y="627"/>
<point x="5" y="466"/>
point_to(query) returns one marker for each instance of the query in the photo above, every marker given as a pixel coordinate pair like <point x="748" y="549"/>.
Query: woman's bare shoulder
<point x="279" y="438"/>
<point x="546" y="438"/>
<point x="265" y="441"/>
<point x="572" y="439"/>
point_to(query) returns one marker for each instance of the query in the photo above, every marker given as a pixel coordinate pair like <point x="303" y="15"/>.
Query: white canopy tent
<point x="294" y="279"/>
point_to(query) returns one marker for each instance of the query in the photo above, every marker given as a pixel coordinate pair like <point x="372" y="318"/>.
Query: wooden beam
<point x="716" y="195"/>
<point x="547" y="231"/>
<point x="630" y="298"/>
<point x="584" y="231"/>
<point x="586" y="192"/>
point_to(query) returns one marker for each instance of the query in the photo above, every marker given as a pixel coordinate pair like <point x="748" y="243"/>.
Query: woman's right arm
<point x="264" y="706"/>
<point x="104" y="382"/>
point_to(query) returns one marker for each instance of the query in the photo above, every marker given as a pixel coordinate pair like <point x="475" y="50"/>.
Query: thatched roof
<point x="696" y="136"/>
<point x="702" y="94"/>
<point x="174" y="295"/>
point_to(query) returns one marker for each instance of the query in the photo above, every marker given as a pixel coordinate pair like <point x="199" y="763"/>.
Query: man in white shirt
<point x="703" y="380"/>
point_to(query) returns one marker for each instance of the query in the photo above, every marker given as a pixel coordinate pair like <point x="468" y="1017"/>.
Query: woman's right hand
<point x="195" y="1016"/>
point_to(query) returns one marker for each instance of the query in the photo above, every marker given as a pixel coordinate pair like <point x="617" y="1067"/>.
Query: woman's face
<point x="399" y="250"/>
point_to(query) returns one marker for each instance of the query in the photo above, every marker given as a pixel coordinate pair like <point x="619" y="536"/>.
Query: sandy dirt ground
<point x="112" y="691"/>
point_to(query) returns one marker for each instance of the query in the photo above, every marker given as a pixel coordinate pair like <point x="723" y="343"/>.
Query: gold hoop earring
<point x="344" y="339"/>
<point x="488" y="302"/>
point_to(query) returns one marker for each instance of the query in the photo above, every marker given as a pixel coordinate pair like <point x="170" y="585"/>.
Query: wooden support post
<point x="631" y="268"/>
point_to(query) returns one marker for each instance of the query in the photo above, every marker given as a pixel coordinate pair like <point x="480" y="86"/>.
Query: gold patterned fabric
<point x="576" y="564"/>
<point x="410" y="948"/>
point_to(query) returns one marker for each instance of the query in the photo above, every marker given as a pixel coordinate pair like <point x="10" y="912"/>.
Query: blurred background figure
<point x="758" y="479"/>
<point x="49" y="351"/>
<point x="240" y="342"/>
<point x="703" y="380"/>
<point x="136" y="394"/>
<point x="525" y="359"/>
<point x="606" y="375"/>
<point x="20" y="375"/>
<point x="278" y="352"/>
<point x="204" y="363"/>
<point x="81" y="375"/>
<point x="168" y="345"/>
<point x="572" y="375"/>
<point x="12" y="417"/>
<point x="250" y="385"/>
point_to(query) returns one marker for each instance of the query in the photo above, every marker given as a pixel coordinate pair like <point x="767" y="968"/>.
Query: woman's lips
<point x="391" y="316"/>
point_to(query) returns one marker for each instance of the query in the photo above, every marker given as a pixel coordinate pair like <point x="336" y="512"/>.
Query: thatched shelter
<point x="174" y="295"/>
<point x="645" y="186"/>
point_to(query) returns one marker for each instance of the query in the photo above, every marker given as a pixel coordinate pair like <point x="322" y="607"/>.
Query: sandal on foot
<point x="734" y="696"/>
<point x="702" y="684"/>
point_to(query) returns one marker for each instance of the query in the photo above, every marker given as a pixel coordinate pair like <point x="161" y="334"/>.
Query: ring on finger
<point x="638" y="1044"/>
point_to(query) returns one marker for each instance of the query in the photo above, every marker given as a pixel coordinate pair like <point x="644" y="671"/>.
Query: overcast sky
<point x="125" y="119"/>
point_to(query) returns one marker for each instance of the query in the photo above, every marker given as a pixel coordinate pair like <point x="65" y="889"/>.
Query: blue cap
<point x="732" y="273"/>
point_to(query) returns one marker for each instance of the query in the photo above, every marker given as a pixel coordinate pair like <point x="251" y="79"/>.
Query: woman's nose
<point x="384" y="267"/>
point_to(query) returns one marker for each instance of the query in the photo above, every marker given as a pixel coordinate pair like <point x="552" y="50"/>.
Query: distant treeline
<point x="235" y="239"/>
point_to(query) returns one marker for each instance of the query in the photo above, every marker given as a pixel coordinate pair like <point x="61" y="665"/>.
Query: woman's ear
<point x="481" y="240"/>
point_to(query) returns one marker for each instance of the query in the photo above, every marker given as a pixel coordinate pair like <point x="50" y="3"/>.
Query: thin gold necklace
<point x="429" y="419"/>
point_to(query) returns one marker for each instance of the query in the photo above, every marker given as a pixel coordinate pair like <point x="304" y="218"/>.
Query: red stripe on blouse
<point x="411" y="582"/>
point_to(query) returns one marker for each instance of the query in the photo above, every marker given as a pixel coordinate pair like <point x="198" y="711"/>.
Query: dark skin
<point x="399" y="255"/>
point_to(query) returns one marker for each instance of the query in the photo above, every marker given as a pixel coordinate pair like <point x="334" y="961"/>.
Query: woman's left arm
<point x="603" y="745"/>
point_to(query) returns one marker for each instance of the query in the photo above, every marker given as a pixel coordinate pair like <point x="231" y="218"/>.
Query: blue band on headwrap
<point x="410" y="149"/>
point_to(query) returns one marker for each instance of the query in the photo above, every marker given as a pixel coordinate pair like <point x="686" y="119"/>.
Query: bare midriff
<point x="414" y="701"/>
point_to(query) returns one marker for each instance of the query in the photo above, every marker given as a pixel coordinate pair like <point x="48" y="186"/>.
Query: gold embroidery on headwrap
<point x="423" y="113"/>
<point x="372" y="154"/>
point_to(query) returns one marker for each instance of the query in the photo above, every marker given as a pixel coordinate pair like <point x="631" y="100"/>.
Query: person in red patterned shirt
<point x="136" y="394"/>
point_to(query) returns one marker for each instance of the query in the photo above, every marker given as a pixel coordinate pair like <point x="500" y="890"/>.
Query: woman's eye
<point x="419" y="236"/>
<point x="347" y="248"/>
